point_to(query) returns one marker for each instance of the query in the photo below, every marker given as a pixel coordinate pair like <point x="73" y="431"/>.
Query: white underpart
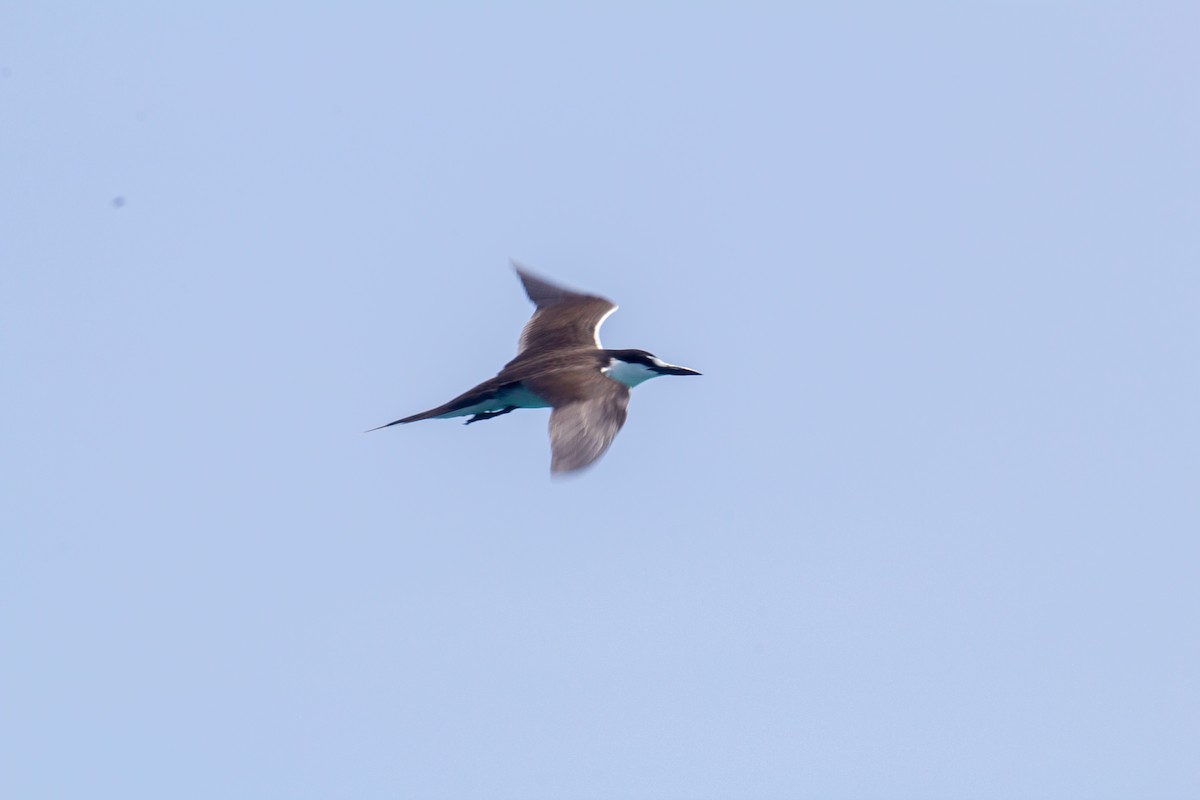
<point x="630" y="374"/>
<point x="519" y="397"/>
<point x="600" y="322"/>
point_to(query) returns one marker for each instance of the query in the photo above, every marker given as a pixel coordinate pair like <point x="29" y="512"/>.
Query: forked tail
<point x="430" y="414"/>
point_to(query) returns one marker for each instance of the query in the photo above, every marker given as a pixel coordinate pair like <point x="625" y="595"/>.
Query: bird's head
<point x="632" y="367"/>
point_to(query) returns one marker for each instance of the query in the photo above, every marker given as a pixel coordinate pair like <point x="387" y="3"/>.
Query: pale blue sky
<point x="926" y="528"/>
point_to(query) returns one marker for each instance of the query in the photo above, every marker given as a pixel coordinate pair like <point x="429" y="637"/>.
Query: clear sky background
<point x="926" y="528"/>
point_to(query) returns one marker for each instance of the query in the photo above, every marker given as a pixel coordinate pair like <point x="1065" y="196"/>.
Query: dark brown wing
<point x="589" y="409"/>
<point x="484" y="391"/>
<point x="564" y="319"/>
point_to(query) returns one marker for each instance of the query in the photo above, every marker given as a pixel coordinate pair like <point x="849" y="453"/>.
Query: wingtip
<point x="560" y="468"/>
<point x="524" y="275"/>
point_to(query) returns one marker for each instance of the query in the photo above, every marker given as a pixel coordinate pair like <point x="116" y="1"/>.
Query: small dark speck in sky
<point x="118" y="202"/>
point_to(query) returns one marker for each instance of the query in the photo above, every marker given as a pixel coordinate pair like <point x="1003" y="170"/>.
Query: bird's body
<point x="561" y="365"/>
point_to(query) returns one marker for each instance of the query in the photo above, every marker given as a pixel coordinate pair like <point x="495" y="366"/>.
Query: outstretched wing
<point x="564" y="319"/>
<point x="581" y="430"/>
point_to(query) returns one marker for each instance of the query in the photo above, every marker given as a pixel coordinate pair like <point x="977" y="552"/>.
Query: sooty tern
<point x="561" y="365"/>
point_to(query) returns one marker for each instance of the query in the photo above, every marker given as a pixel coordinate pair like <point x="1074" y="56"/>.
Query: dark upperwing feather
<point x="563" y="318"/>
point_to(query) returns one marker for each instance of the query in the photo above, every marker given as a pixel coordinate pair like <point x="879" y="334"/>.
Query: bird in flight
<point x="561" y="365"/>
